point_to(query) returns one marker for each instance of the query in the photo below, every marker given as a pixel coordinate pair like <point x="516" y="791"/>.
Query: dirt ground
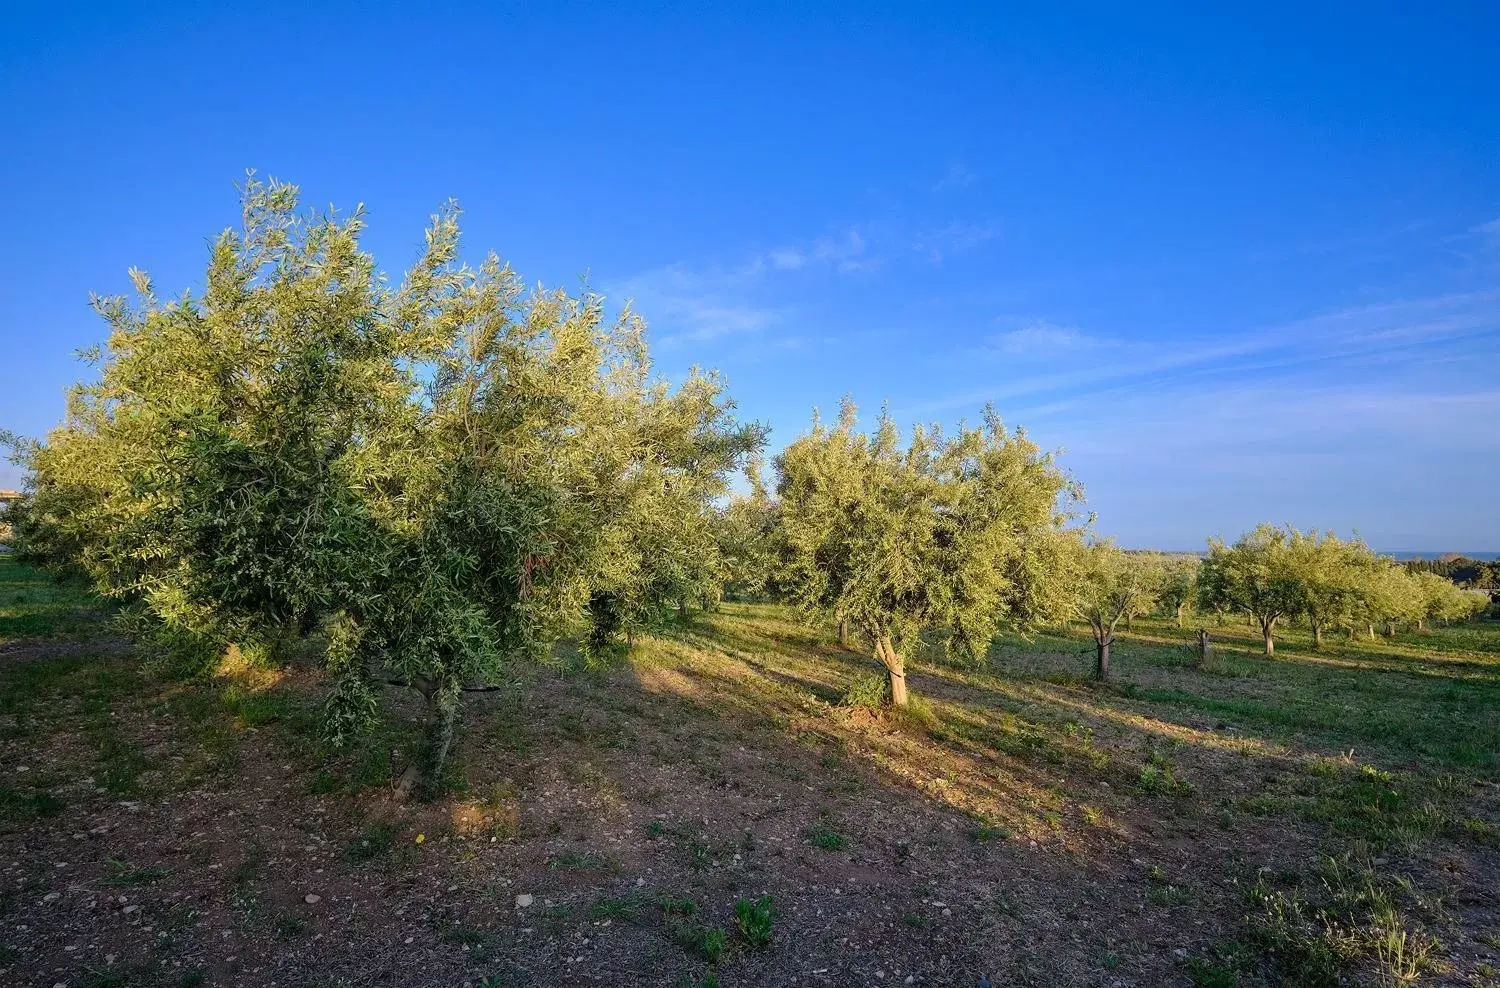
<point x="1024" y="828"/>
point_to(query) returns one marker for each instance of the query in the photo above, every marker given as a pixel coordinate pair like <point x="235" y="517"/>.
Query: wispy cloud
<point x="688" y="305"/>
<point x="1038" y="337"/>
<point x="844" y="252"/>
<point x="955" y="238"/>
<point x="957" y="176"/>
<point x="1344" y="336"/>
<point x="696" y="304"/>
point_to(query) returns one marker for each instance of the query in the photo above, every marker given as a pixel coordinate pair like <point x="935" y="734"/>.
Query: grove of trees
<point x="431" y="479"/>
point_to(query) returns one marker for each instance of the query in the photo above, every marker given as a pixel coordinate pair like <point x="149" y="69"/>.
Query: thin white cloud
<point x="1355" y="333"/>
<point x="786" y="258"/>
<point x="689" y="305"/>
<point x="1040" y="338"/>
<point x="955" y="238"/>
<point x="844" y="253"/>
<point x="958" y="176"/>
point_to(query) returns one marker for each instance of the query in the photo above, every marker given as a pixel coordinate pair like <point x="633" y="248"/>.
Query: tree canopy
<point x="446" y="475"/>
<point x="963" y="533"/>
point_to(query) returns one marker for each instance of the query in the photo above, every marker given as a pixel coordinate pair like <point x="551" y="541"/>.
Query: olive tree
<point x="1179" y="586"/>
<point x="1442" y="600"/>
<point x="1330" y="573"/>
<point x="1256" y="576"/>
<point x="1112" y="585"/>
<point x="963" y="533"/>
<point x="442" y="477"/>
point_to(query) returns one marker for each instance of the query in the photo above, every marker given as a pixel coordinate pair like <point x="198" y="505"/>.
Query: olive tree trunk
<point x="895" y="667"/>
<point x="1268" y="632"/>
<point x="1101" y="660"/>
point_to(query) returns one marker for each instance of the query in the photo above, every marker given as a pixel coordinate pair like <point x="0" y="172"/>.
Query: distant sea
<point x="1403" y="554"/>
<point x="1399" y="554"/>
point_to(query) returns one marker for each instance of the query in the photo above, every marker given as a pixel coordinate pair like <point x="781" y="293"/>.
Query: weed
<point x="623" y="908"/>
<point x="1159" y="778"/>
<point x="580" y="861"/>
<point x="828" y="840"/>
<point x="873" y="691"/>
<point x="288" y="925"/>
<point x="708" y="942"/>
<point x="376" y="841"/>
<point x="254" y="708"/>
<point x="124" y="874"/>
<point x="754" y="919"/>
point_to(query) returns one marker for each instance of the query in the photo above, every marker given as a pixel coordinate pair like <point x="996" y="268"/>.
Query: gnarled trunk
<point x="1267" y="631"/>
<point x="895" y="667"/>
<point x="1317" y="630"/>
<point x="1101" y="660"/>
<point x="844" y="632"/>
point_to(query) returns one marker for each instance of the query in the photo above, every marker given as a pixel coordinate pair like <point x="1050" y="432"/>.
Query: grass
<point x="828" y="840"/>
<point x="36" y="605"/>
<point x="754" y="919"/>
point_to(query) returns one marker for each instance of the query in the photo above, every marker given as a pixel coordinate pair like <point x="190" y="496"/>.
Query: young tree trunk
<point x="1372" y="631"/>
<point x="1101" y="661"/>
<point x="895" y="667"/>
<point x="1200" y="657"/>
<point x="441" y="713"/>
<point x="844" y="632"/>
<point x="1317" y="629"/>
<point x="1129" y="622"/>
<point x="425" y="774"/>
<point x="1180" y="608"/>
<point x="1422" y="625"/>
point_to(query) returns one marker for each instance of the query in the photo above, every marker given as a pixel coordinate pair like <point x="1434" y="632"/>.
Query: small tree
<point x="1179" y="586"/>
<point x="1439" y="599"/>
<point x="1111" y="585"/>
<point x="745" y="533"/>
<point x="1255" y="575"/>
<point x="963" y="533"/>
<point x="1329" y="571"/>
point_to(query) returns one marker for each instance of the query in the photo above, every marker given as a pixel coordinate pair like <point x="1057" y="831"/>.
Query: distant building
<point x="6" y="497"/>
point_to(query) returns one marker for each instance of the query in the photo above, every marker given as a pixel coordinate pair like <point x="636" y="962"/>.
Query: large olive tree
<point x="963" y="533"/>
<point x="444" y="475"/>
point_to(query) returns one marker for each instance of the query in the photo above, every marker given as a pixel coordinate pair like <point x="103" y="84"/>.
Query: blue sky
<point x="1238" y="266"/>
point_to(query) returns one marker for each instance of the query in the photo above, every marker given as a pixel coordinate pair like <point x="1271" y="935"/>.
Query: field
<point x="712" y="811"/>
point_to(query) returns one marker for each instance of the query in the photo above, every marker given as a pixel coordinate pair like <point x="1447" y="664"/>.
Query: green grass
<point x="34" y="604"/>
